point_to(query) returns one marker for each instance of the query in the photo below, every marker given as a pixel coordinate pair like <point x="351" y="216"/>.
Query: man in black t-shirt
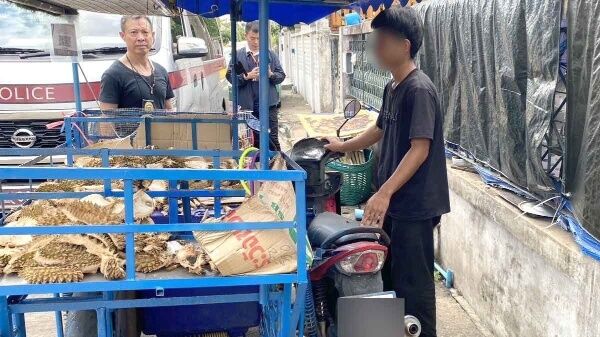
<point x="411" y="175"/>
<point x="134" y="81"/>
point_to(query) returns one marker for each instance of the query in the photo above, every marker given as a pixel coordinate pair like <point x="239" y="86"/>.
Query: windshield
<point x="22" y="28"/>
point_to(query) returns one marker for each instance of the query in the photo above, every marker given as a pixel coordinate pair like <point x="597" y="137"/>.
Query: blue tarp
<point x="589" y="244"/>
<point x="284" y="13"/>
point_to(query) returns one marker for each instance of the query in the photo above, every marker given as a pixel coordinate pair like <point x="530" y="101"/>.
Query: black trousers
<point x="273" y="129"/>
<point x="408" y="269"/>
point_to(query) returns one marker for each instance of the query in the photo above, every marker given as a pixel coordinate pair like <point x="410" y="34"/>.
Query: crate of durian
<point x="79" y="221"/>
<point x="71" y="257"/>
<point x="120" y="213"/>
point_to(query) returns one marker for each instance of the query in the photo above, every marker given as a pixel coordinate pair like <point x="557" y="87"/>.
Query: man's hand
<point x="375" y="210"/>
<point x="270" y="72"/>
<point x="253" y="75"/>
<point x="335" y="144"/>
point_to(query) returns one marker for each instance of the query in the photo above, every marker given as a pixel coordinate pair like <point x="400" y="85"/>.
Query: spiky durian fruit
<point x="112" y="267"/>
<point x="50" y="274"/>
<point x="90" y="213"/>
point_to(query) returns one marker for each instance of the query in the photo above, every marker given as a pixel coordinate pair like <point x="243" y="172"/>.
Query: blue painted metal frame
<point x="11" y="315"/>
<point x="128" y="175"/>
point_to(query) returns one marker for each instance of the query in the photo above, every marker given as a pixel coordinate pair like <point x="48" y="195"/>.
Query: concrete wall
<point x="308" y="64"/>
<point x="520" y="277"/>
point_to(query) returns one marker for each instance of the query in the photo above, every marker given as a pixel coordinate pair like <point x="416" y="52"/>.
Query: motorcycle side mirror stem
<point x="350" y="111"/>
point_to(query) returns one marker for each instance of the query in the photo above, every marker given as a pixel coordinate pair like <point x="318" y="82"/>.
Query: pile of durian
<point x="68" y="258"/>
<point x="147" y="185"/>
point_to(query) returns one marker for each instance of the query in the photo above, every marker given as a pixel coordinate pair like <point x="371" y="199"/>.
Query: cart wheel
<point x="81" y="324"/>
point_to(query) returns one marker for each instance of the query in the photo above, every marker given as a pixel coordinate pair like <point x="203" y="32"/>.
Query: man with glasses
<point x="248" y="93"/>
<point x="412" y="179"/>
<point x="134" y="81"/>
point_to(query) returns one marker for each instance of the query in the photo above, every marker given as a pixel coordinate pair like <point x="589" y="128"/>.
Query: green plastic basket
<point x="356" y="180"/>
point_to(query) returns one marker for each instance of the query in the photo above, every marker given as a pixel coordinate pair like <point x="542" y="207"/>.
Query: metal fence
<point x="367" y="80"/>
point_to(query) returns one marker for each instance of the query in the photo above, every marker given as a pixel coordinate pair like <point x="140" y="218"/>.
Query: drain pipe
<point x="447" y="274"/>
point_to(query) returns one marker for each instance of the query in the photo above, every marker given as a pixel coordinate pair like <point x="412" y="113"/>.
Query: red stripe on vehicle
<point x="63" y="92"/>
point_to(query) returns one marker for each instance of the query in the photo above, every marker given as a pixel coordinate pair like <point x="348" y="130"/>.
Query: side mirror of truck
<point x="190" y="47"/>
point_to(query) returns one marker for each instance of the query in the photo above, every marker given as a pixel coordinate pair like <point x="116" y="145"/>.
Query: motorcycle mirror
<point x="352" y="108"/>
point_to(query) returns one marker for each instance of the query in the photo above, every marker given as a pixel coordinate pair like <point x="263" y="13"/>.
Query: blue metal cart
<point x="280" y="316"/>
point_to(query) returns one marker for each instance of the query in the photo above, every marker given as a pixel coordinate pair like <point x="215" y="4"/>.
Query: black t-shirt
<point x="123" y="86"/>
<point x="412" y="110"/>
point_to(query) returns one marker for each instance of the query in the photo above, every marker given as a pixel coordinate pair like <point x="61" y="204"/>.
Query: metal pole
<point x="234" y="77"/>
<point x="5" y="324"/>
<point x="263" y="83"/>
<point x="130" y="237"/>
<point x="77" y="95"/>
<point x="19" y="325"/>
<point x="59" y="321"/>
<point x="301" y="230"/>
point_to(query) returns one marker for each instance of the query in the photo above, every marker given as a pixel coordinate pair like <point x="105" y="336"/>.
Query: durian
<point x="45" y="274"/>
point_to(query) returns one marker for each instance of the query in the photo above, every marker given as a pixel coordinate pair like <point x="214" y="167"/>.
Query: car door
<point x="184" y="92"/>
<point x="197" y="78"/>
<point x="213" y="86"/>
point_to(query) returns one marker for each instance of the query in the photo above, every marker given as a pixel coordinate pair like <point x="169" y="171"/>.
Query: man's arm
<point x="170" y="97"/>
<point x="169" y="106"/>
<point x="410" y="163"/>
<point x="369" y="137"/>
<point x="108" y="106"/>
<point x="110" y="92"/>
<point x="277" y="74"/>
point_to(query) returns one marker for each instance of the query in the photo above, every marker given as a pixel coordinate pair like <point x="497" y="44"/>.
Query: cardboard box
<point x="164" y="135"/>
<point x="257" y="251"/>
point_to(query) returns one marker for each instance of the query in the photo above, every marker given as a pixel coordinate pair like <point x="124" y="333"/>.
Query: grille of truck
<point x="45" y="138"/>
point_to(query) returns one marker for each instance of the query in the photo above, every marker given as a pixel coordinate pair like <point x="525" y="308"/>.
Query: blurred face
<point x="390" y="49"/>
<point x="138" y="36"/>
<point x="252" y="40"/>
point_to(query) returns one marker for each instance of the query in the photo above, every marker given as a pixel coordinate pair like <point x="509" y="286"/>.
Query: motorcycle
<point x="348" y="258"/>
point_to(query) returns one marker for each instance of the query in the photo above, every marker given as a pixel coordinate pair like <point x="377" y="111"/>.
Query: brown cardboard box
<point x="257" y="251"/>
<point x="164" y="135"/>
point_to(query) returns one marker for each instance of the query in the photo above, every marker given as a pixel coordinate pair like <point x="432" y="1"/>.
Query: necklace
<point x="150" y="85"/>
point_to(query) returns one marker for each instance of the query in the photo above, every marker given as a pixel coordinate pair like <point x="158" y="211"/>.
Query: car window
<point x="176" y="28"/>
<point x="198" y="30"/>
<point x="28" y="29"/>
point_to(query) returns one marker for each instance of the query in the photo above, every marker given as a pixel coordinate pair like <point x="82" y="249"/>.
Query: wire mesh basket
<point x="356" y="178"/>
<point x="102" y="130"/>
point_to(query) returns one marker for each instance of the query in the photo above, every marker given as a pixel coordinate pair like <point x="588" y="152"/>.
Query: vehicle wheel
<point x="81" y="324"/>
